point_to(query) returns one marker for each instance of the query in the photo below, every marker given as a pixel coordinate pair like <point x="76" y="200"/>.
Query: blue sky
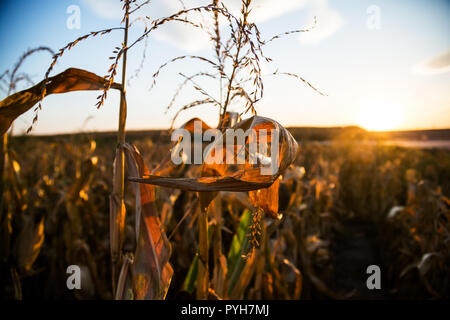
<point x="393" y="77"/>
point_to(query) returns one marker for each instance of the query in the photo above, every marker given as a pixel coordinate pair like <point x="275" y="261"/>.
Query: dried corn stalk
<point x="218" y="174"/>
<point x="29" y="242"/>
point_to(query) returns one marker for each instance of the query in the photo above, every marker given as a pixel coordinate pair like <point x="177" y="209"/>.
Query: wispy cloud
<point x="106" y="9"/>
<point x="435" y="65"/>
<point x="179" y="34"/>
<point x="329" y="21"/>
<point x="263" y="10"/>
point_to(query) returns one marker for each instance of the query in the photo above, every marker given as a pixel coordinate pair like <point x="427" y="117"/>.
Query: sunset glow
<point x="380" y="115"/>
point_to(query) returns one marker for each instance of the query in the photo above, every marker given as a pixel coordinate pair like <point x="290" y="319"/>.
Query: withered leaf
<point x="70" y="80"/>
<point x="239" y="177"/>
<point x="151" y="271"/>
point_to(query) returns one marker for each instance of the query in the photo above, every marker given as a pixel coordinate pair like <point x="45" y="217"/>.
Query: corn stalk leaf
<point x="238" y="241"/>
<point x="220" y="176"/>
<point x="70" y="80"/>
<point x="267" y="199"/>
<point x="117" y="211"/>
<point x="151" y="271"/>
<point x="191" y="278"/>
<point x="190" y="281"/>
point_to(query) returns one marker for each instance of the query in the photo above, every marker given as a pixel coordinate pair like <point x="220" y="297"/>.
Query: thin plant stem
<point x="241" y="34"/>
<point x="121" y="137"/>
<point x="203" y="269"/>
<point x="3" y="150"/>
<point x="127" y="261"/>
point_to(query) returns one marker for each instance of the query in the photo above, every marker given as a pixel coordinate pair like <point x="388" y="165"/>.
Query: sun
<point x="379" y="115"/>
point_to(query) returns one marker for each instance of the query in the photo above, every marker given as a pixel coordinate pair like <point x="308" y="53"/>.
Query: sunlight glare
<point x="379" y="115"/>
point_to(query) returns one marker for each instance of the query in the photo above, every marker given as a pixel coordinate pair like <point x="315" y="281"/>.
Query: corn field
<point x="139" y="226"/>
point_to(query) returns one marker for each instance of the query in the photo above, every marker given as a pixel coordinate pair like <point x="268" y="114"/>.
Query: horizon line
<point x="24" y="134"/>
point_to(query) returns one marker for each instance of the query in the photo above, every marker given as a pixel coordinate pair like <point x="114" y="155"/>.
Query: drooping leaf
<point x="222" y="176"/>
<point x="151" y="271"/>
<point x="267" y="199"/>
<point x="203" y="184"/>
<point x="267" y="151"/>
<point x="70" y="80"/>
<point x="166" y="166"/>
